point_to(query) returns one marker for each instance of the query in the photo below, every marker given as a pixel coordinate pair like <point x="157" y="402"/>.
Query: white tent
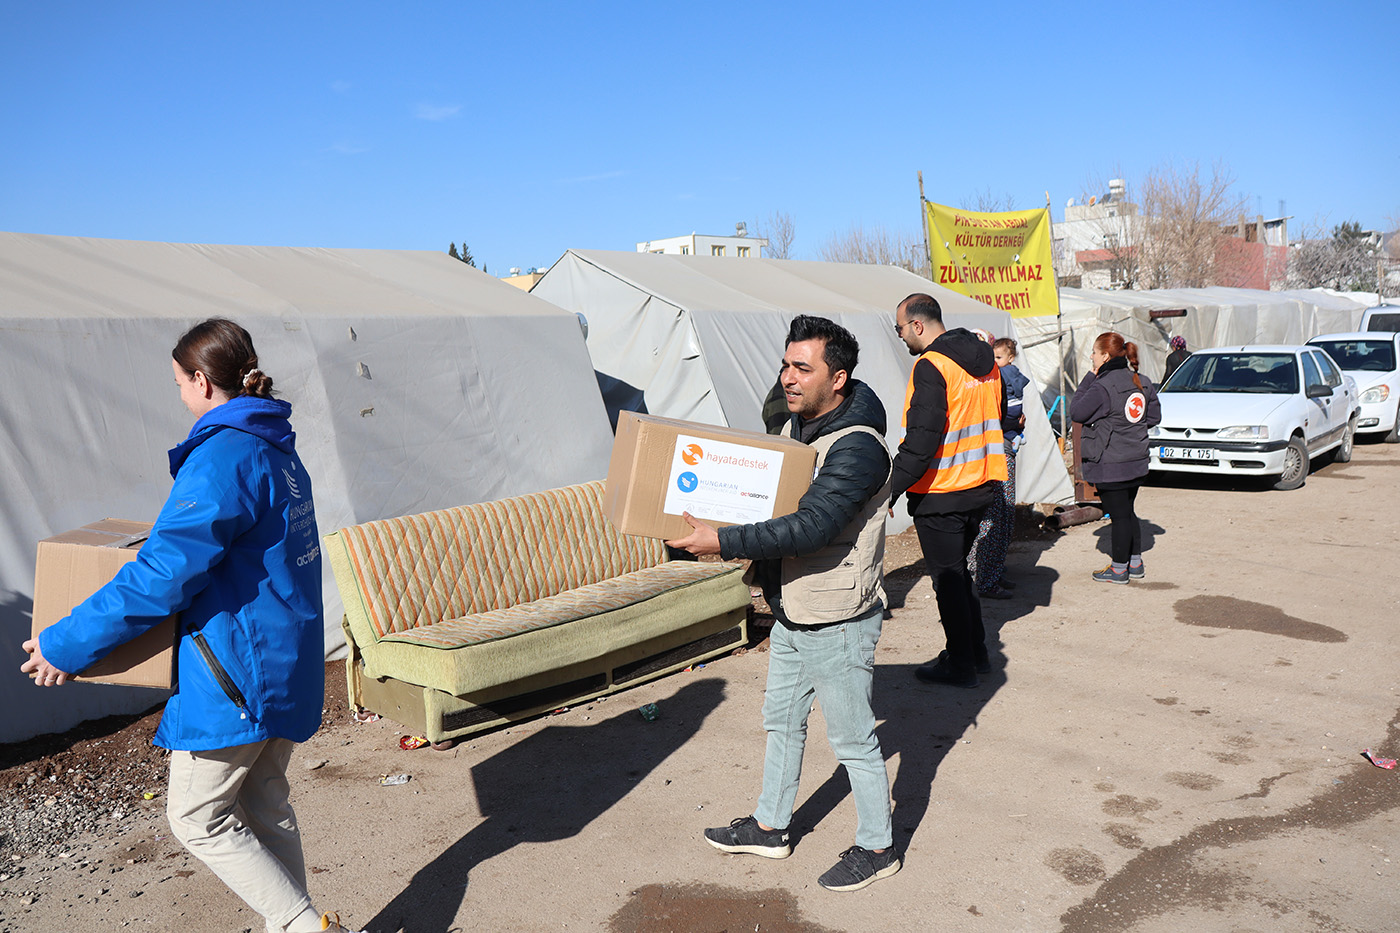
<point x="1215" y="317"/>
<point x="416" y="383"/>
<point x="702" y="336"/>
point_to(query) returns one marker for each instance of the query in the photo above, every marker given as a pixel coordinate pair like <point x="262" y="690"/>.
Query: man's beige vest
<point x="846" y="578"/>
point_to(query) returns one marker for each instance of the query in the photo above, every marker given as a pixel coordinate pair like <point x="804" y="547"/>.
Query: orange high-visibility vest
<point x="972" y="451"/>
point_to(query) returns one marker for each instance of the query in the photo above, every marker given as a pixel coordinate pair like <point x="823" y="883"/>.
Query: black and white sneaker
<point x="859" y="867"/>
<point x="745" y="837"/>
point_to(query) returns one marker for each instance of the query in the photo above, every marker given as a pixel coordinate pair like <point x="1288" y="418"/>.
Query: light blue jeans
<point x="835" y="665"/>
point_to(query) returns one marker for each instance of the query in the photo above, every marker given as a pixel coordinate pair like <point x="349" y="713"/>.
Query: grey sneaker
<point x="1138" y="572"/>
<point x="859" y="867"/>
<point x="1109" y="575"/>
<point x="745" y="837"/>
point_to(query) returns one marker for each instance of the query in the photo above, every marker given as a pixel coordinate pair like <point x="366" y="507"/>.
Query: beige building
<point x="523" y="280"/>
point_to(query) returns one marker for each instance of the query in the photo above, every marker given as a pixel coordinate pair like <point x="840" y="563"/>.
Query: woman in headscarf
<point x="1177" y="356"/>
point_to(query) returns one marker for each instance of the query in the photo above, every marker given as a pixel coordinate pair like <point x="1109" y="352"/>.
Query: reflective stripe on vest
<point x="972" y="451"/>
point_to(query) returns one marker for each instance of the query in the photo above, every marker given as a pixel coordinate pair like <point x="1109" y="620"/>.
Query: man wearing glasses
<point x="948" y="465"/>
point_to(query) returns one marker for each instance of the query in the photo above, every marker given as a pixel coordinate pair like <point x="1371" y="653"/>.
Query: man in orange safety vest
<point x="949" y="464"/>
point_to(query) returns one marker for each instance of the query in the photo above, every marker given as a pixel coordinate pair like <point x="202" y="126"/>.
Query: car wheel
<point x="1295" y="465"/>
<point x="1343" y="452"/>
<point x="1394" y="436"/>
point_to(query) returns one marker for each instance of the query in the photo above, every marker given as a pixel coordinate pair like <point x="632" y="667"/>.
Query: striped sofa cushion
<point x="581" y="603"/>
<point x="419" y="570"/>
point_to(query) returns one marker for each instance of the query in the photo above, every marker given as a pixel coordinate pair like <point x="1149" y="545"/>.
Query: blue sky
<point x="530" y="128"/>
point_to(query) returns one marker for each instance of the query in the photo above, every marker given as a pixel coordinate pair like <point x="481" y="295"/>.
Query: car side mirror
<point x="1319" y="390"/>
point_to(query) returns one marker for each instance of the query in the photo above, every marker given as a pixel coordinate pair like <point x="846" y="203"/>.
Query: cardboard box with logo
<point x="74" y="565"/>
<point x="661" y="467"/>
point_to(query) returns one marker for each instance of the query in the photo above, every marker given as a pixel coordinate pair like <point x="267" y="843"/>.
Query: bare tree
<point x="877" y="246"/>
<point x="1107" y="213"/>
<point x="778" y="228"/>
<point x="1347" y="260"/>
<point x="1183" y="220"/>
<point x="988" y="203"/>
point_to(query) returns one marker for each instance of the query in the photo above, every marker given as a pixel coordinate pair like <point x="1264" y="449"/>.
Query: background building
<point x="739" y="246"/>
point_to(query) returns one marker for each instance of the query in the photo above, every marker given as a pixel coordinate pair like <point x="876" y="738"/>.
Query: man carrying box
<point x="822" y="571"/>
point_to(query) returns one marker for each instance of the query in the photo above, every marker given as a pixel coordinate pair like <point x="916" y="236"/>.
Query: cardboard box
<point x="661" y="467"/>
<point x="74" y="565"/>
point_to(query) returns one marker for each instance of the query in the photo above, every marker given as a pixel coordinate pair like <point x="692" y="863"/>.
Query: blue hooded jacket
<point x="236" y="552"/>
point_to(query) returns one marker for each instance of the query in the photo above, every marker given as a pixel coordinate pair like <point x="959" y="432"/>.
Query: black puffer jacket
<point x="855" y="469"/>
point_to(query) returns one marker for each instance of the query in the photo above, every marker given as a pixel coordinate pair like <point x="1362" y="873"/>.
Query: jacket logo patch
<point x="1135" y="407"/>
<point x="291" y="484"/>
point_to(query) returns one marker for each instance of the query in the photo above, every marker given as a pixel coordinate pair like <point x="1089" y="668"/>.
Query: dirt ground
<point x="1181" y="753"/>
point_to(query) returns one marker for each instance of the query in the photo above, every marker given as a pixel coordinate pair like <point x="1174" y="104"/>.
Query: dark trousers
<point x="946" y="540"/>
<point x="1125" y="533"/>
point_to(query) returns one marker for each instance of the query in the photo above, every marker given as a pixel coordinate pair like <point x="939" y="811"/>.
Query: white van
<point x="1381" y="317"/>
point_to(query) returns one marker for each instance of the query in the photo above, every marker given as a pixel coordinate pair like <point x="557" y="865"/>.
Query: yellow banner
<point x="1001" y="259"/>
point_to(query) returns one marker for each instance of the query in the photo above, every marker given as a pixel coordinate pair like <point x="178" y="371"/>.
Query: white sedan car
<point x="1373" y="360"/>
<point x="1255" y="411"/>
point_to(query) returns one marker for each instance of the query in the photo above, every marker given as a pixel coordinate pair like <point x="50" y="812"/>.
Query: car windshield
<point x="1377" y="356"/>
<point x="1236" y="372"/>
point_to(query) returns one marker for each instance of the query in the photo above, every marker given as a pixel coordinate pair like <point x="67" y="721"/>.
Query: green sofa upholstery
<point x="466" y="618"/>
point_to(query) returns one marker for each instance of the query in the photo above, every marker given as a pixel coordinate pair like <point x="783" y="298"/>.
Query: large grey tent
<point x="1215" y="317"/>
<point x="702" y="336"/>
<point x="416" y="383"/>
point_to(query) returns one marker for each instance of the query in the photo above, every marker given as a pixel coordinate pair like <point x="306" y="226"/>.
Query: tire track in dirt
<point x="1164" y="878"/>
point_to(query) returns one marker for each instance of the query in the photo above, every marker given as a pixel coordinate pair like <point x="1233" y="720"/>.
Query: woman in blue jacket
<point x="235" y="551"/>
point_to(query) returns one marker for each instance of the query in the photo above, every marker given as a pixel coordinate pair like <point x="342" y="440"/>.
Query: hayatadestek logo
<point x="692" y="454"/>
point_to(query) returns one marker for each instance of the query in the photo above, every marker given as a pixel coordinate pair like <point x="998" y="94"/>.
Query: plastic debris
<point x="649" y="712"/>
<point x="1378" y="761"/>
<point x="364" y="715"/>
<point x="389" y="780"/>
<point x="148" y="796"/>
<point x="409" y="742"/>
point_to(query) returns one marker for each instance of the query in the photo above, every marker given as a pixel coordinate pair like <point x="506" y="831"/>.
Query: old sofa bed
<point x="467" y="618"/>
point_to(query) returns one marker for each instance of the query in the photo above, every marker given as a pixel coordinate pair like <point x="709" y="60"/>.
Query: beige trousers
<point x="230" y="808"/>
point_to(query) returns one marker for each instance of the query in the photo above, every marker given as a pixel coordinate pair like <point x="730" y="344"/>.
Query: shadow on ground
<point x="548" y="786"/>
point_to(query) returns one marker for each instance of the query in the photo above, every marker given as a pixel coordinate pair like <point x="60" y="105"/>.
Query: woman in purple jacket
<point x="1116" y="405"/>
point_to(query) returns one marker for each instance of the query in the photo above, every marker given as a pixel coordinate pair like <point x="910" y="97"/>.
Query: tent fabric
<point x="416" y="383"/>
<point x="1215" y="317"/>
<point x="702" y="336"/>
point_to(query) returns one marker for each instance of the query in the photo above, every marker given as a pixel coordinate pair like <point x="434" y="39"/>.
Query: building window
<point x="685" y="250"/>
<point x="743" y="251"/>
<point x="716" y="250"/>
<point x="658" y="251"/>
